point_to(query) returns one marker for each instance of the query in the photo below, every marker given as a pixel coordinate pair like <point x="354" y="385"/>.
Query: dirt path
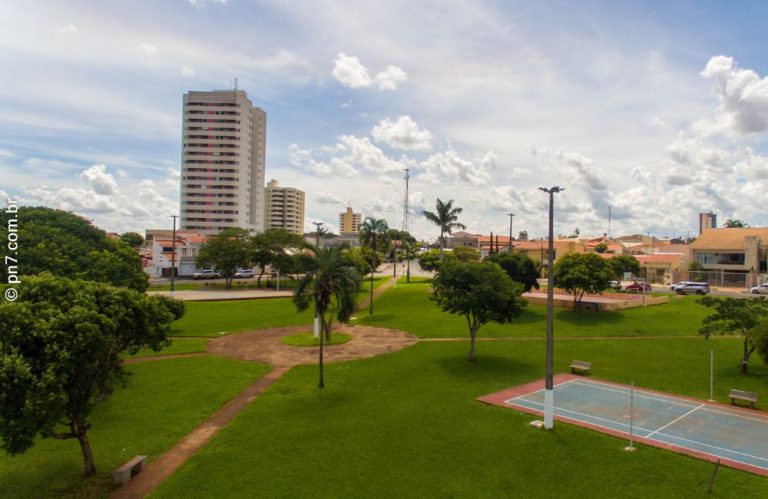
<point x="258" y="346"/>
<point x="363" y="305"/>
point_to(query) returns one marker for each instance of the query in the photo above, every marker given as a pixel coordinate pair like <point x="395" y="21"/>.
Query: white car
<point x="206" y="274"/>
<point x="761" y="289"/>
<point x="244" y="273"/>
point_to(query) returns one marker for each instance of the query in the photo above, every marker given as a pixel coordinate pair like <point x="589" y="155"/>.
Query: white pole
<point x="549" y="409"/>
<point x="631" y="446"/>
<point x="278" y="279"/>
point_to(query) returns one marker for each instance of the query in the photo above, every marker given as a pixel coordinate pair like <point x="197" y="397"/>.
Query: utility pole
<point x="511" y="216"/>
<point x="316" y="328"/>
<point x="405" y="202"/>
<point x="173" y="254"/>
<point x="549" y="393"/>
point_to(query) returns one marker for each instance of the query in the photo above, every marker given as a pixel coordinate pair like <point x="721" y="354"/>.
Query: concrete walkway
<point x="232" y="294"/>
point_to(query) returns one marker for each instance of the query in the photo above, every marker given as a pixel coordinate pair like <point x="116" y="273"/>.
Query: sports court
<point x="712" y="431"/>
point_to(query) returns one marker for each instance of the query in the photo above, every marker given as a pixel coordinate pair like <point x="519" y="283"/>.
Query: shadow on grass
<point x="585" y="318"/>
<point x="490" y="366"/>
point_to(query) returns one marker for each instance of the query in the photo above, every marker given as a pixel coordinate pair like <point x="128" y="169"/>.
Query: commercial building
<point x="349" y="222"/>
<point x="707" y="220"/>
<point x="222" y="162"/>
<point x="284" y="208"/>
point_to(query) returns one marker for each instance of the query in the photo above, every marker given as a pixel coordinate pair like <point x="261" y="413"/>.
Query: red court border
<point x="500" y="398"/>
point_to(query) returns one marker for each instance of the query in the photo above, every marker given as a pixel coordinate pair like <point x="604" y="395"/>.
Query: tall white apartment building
<point x="222" y="162"/>
<point x="284" y="208"/>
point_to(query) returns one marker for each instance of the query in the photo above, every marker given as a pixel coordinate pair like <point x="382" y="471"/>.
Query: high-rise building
<point x="222" y="162"/>
<point x="707" y="220"/>
<point x="284" y="208"/>
<point x="349" y="222"/>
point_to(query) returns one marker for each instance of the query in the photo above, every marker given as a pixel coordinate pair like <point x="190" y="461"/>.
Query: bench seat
<point x="129" y="470"/>
<point x="580" y="366"/>
<point x="750" y="397"/>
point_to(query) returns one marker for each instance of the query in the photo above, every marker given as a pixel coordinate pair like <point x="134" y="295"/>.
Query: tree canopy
<point x="519" y="267"/>
<point x="446" y="218"/>
<point x="374" y="234"/>
<point x="225" y="252"/>
<point x="624" y="263"/>
<point x="735" y="223"/>
<point x="271" y="248"/>
<point x="60" y="352"/>
<point x="466" y="254"/>
<point x="331" y="282"/>
<point x="429" y="261"/>
<point x="581" y="273"/>
<point x="132" y="239"/>
<point x="736" y="316"/>
<point x="69" y="245"/>
<point x="481" y="292"/>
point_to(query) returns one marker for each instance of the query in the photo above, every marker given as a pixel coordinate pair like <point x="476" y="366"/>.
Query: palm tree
<point x="735" y="223"/>
<point x="330" y="280"/>
<point x="373" y="234"/>
<point x="445" y="217"/>
<point x="409" y="251"/>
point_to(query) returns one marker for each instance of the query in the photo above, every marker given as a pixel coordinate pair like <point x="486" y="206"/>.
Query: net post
<point x="631" y="446"/>
<point x="711" y="376"/>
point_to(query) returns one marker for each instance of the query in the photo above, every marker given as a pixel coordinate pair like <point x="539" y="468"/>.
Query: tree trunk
<point x="321" y="383"/>
<point x="370" y="305"/>
<point x="261" y="274"/>
<point x="228" y="282"/>
<point x="745" y="359"/>
<point x="408" y="275"/>
<point x="85" y="447"/>
<point x="472" y="346"/>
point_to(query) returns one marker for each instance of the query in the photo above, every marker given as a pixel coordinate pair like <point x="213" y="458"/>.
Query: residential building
<point x="462" y="238"/>
<point x="284" y="208"/>
<point x="349" y="222"/>
<point x="734" y="257"/>
<point x="222" y="162"/>
<point x="707" y="220"/>
<point x="159" y="247"/>
<point x="537" y="250"/>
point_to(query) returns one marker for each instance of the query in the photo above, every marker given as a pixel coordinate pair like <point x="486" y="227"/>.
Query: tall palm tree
<point x="373" y="234"/>
<point x="330" y="282"/>
<point x="735" y="223"/>
<point x="409" y="251"/>
<point x="446" y="217"/>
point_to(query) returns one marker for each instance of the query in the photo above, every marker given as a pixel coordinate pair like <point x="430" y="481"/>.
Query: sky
<point x="654" y="111"/>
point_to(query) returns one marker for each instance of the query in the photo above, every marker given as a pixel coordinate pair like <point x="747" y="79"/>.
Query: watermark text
<point x="11" y="259"/>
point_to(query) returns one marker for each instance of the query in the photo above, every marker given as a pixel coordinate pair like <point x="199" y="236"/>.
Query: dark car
<point x="638" y="287"/>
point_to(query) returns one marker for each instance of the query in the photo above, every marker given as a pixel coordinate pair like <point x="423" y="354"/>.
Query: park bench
<point x="129" y="470"/>
<point x="580" y="366"/>
<point x="750" y="397"/>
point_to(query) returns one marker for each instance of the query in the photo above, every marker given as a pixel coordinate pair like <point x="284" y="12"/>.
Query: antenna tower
<point x="405" y="203"/>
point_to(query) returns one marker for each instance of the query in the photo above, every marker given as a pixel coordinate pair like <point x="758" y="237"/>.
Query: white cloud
<point x="298" y="156"/>
<point x="148" y="48"/>
<point x="350" y="72"/>
<point x="326" y="197"/>
<point x="378" y="207"/>
<point x="362" y="152"/>
<point x="68" y="29"/>
<point x="448" y="166"/>
<point x="390" y="77"/>
<point x="202" y="3"/>
<point x="743" y="96"/>
<point x="404" y="133"/>
<point x="584" y="169"/>
<point x="186" y="72"/>
<point x="101" y="181"/>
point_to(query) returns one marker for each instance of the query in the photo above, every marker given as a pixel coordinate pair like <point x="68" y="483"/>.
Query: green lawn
<point x="159" y="406"/>
<point x="408" y="308"/>
<point x="407" y="425"/>
<point x="178" y="345"/>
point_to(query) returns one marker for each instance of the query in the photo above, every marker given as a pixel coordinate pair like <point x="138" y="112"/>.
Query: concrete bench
<point x="750" y="397"/>
<point x="580" y="366"/>
<point x="129" y="470"/>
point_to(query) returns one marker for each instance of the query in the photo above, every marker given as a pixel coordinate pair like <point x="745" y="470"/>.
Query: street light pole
<point x="173" y="254"/>
<point x="549" y="394"/>
<point x="316" y="327"/>
<point x="511" y="216"/>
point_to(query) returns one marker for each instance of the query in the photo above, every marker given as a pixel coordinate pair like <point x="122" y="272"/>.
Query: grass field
<point x="408" y="308"/>
<point x="407" y="425"/>
<point x="159" y="406"/>
<point x="178" y="345"/>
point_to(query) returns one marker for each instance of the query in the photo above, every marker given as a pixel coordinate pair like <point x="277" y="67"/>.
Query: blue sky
<point x="658" y="109"/>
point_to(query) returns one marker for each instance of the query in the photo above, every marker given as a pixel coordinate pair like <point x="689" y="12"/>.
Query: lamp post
<point x="511" y="216"/>
<point x="549" y="396"/>
<point x="173" y="254"/>
<point x="316" y="327"/>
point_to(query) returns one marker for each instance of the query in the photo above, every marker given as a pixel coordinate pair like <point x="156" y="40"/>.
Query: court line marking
<point x="620" y="424"/>
<point x="676" y="420"/>
<point x="735" y="413"/>
<point x="642" y="393"/>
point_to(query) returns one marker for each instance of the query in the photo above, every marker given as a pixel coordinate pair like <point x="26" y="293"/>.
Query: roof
<point x="542" y="243"/>
<point x="728" y="239"/>
<point x="659" y="258"/>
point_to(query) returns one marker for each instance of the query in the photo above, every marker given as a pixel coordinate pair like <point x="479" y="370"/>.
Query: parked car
<point x="638" y="287"/>
<point x="761" y="289"/>
<point x="206" y="274"/>
<point x="244" y="273"/>
<point x="673" y="287"/>
<point x="690" y="288"/>
<point x="614" y="285"/>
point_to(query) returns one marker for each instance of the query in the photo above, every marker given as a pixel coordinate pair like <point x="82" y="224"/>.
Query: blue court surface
<point x="712" y="431"/>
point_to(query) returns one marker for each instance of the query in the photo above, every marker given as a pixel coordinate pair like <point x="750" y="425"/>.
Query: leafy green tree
<point x="446" y="217"/>
<point x="466" y="254"/>
<point x="624" y="263"/>
<point x="760" y="332"/>
<point x="519" y="267"/>
<point x="481" y="292"/>
<point x="331" y="282"/>
<point x="410" y="251"/>
<point x="601" y="248"/>
<point x="735" y="223"/>
<point x="400" y="235"/>
<point x="736" y="316"/>
<point x="132" y="239"/>
<point x="580" y="273"/>
<point x="429" y="261"/>
<point x="373" y="234"/>
<point x="60" y="352"/>
<point x="522" y="235"/>
<point x="271" y="248"/>
<point x="225" y="252"/>
<point x="354" y="257"/>
<point x="68" y="245"/>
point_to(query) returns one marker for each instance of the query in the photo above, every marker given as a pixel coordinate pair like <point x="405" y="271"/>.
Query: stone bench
<point x="129" y="470"/>
<point x="750" y="397"/>
<point x="580" y="366"/>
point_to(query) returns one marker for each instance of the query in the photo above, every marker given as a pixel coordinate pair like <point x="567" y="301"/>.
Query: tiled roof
<point x="728" y="239"/>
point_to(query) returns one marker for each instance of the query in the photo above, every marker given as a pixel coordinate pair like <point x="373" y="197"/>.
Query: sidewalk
<point x="233" y="294"/>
